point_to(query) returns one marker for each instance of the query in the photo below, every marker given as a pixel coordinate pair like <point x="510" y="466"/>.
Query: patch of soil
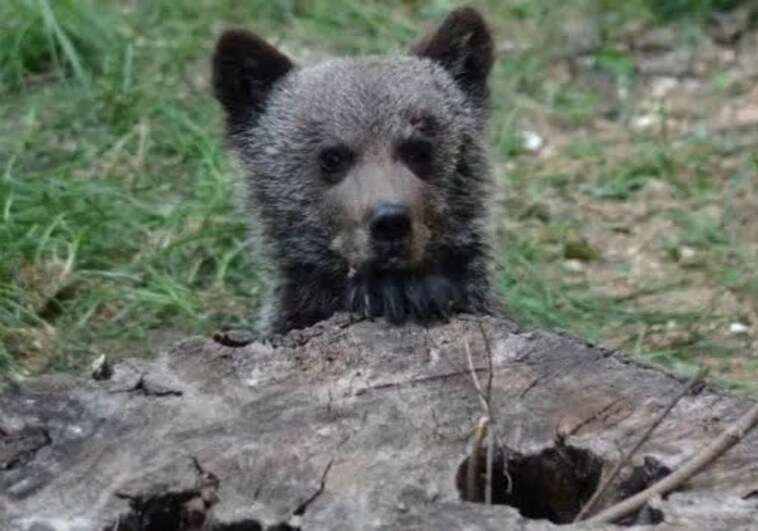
<point x="678" y="238"/>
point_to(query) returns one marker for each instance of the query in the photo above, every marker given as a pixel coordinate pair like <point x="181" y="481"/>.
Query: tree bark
<point x="362" y="426"/>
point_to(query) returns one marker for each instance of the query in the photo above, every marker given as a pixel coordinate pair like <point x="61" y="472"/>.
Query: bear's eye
<point x="416" y="153"/>
<point x="335" y="161"/>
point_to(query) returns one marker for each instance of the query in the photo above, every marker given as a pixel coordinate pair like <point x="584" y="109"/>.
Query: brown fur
<point x="366" y="179"/>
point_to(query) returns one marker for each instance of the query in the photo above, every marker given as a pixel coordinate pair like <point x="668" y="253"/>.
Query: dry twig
<point x="488" y="420"/>
<point x="473" y="463"/>
<point x="484" y="422"/>
<point x="626" y="458"/>
<point x="693" y="466"/>
<point x="484" y="397"/>
<point x="490" y="370"/>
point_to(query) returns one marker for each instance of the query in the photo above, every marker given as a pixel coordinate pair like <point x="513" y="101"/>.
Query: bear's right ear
<point x="245" y="69"/>
<point x="463" y="46"/>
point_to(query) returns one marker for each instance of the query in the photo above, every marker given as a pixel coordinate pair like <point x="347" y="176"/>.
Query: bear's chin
<point x="403" y="296"/>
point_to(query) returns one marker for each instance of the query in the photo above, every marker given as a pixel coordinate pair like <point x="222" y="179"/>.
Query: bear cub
<point x="366" y="179"/>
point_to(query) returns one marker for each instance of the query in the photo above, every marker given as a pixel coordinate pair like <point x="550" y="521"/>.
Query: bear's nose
<point x="390" y="222"/>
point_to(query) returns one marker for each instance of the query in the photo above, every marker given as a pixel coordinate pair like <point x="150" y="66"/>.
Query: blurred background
<point x="624" y="134"/>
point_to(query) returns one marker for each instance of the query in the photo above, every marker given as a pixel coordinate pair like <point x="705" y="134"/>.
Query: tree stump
<point x="362" y="426"/>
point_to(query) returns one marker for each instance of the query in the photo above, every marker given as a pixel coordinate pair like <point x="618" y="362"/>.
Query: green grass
<point x="117" y="227"/>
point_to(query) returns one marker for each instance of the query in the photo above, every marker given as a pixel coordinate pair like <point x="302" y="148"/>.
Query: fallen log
<point x="365" y="426"/>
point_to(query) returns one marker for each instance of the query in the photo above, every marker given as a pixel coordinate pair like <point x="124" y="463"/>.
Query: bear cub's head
<point x="363" y="174"/>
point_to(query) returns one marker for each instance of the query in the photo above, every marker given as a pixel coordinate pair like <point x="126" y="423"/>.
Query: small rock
<point x="729" y="56"/>
<point x="657" y="191"/>
<point x="747" y="117"/>
<point x="507" y="47"/>
<point x="687" y="255"/>
<point x="656" y="40"/>
<point x="531" y="141"/>
<point x="537" y="211"/>
<point x="670" y="335"/>
<point x="738" y="329"/>
<point x="101" y="368"/>
<point x="676" y="63"/>
<point x="645" y="121"/>
<point x="573" y="265"/>
<point x="662" y="86"/>
<point x="712" y="213"/>
<point x="580" y="249"/>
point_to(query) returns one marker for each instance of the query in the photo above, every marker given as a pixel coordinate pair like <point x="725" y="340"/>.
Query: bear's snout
<point x="390" y="224"/>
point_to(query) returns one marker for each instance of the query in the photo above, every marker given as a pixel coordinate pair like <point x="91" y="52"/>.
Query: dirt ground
<point x="656" y="195"/>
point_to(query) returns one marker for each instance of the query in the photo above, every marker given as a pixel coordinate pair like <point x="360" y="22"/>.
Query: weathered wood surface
<point x="360" y="426"/>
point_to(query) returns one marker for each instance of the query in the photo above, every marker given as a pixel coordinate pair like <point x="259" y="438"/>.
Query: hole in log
<point x="550" y="485"/>
<point x="163" y="512"/>
<point x="554" y="483"/>
<point x="636" y="480"/>
<point x="171" y="511"/>
<point x="19" y="448"/>
<point x="181" y="511"/>
<point x="243" y="525"/>
<point x="168" y="512"/>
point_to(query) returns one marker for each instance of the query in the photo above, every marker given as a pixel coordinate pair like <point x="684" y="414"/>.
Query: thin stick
<point x="627" y="457"/>
<point x="484" y="422"/>
<point x="473" y="462"/>
<point x="591" y="418"/>
<point x="490" y="468"/>
<point x="484" y="398"/>
<point x="488" y="350"/>
<point x="693" y="466"/>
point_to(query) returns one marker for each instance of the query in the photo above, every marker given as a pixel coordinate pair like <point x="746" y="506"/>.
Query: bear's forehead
<point x="369" y="89"/>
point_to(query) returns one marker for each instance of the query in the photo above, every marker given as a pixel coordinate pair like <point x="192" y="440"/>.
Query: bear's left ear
<point x="245" y="70"/>
<point x="463" y="46"/>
